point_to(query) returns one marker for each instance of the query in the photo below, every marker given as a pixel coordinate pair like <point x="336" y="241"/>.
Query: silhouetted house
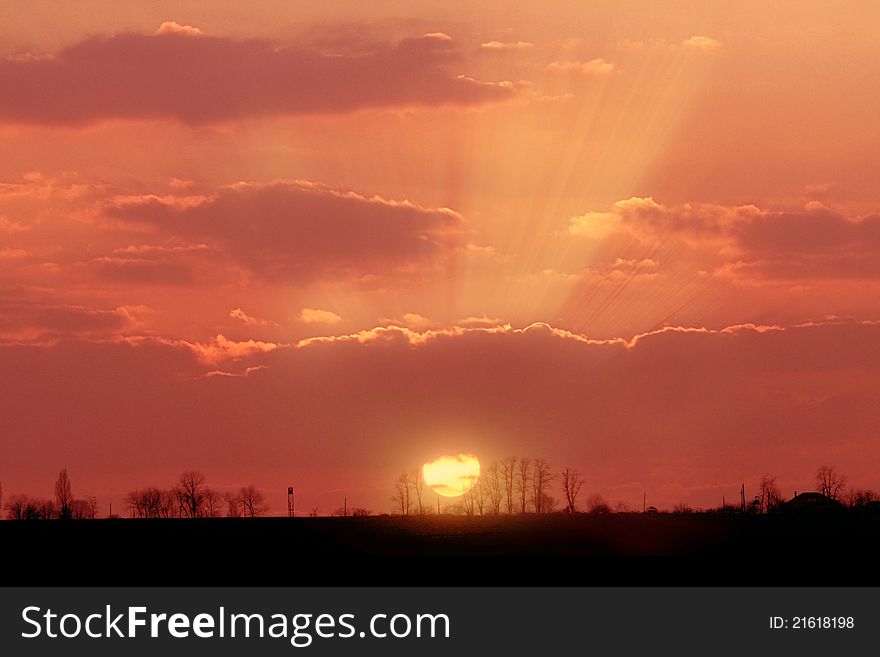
<point x="811" y="502"/>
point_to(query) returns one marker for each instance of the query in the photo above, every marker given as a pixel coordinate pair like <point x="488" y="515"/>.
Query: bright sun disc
<point x="452" y="476"/>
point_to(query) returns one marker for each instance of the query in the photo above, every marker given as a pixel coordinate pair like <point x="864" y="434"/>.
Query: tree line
<point x="190" y="497"/>
<point x="512" y="485"/>
<point x="525" y="485"/>
<point x="62" y="506"/>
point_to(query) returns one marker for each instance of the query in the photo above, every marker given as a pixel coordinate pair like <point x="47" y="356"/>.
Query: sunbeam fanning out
<point x="319" y="241"/>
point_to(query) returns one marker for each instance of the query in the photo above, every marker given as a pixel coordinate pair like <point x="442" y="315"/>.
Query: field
<point x="680" y="549"/>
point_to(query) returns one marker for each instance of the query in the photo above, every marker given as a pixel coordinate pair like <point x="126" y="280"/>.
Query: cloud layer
<point x="298" y="230"/>
<point x="686" y="414"/>
<point x="815" y="243"/>
<point x="182" y="74"/>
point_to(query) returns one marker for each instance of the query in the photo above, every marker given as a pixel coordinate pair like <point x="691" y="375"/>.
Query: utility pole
<point x="344" y="507"/>
<point x="291" y="511"/>
<point x="742" y="498"/>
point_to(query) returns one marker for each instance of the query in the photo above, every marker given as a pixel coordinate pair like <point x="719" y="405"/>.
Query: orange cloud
<point x="670" y="409"/>
<point x="701" y="43"/>
<point x="173" y="27"/>
<point x="210" y="79"/>
<point x="318" y="316"/>
<point x="594" y="67"/>
<point x="746" y="241"/>
<point x="242" y="316"/>
<point x="299" y="230"/>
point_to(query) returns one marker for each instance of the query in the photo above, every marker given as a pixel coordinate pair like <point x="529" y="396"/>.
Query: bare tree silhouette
<point x="541" y="478"/>
<point x="508" y="474"/>
<point x="770" y="496"/>
<point x="401" y="497"/>
<point x="571" y="487"/>
<point x="830" y="482"/>
<point x="22" y="507"/>
<point x="92" y="501"/>
<point x="252" y="501"/>
<point x="523" y="477"/>
<point x="597" y="504"/>
<point x="191" y="493"/>
<point x="233" y="505"/>
<point x="493" y="483"/>
<point x="418" y="487"/>
<point x="861" y="497"/>
<point x="63" y="496"/>
<point x="212" y="502"/>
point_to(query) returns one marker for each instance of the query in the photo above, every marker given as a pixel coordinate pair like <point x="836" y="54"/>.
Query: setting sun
<point x="451" y="476"/>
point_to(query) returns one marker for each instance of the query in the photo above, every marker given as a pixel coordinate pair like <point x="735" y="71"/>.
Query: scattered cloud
<point x="173" y="27"/>
<point x="222" y="349"/>
<point x="814" y="242"/>
<point x="247" y="320"/>
<point x="506" y="45"/>
<point x="318" y="316"/>
<point x="593" y="68"/>
<point x="701" y="43"/>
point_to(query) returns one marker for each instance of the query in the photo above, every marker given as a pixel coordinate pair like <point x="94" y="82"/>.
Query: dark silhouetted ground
<point x="786" y="549"/>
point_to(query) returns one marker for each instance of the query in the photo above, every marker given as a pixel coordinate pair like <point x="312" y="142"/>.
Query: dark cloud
<point x="814" y="243"/>
<point x="140" y="271"/>
<point x="201" y="79"/>
<point x="34" y="319"/>
<point x="300" y="230"/>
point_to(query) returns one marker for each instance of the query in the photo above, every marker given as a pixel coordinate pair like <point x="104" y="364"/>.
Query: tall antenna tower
<point x="291" y="511"/>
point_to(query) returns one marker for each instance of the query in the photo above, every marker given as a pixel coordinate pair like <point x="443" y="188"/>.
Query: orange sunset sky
<point x="317" y="243"/>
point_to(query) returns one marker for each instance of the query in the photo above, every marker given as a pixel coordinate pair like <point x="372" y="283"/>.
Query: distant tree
<point x="418" y="487"/>
<point x="770" y="496"/>
<point x="63" y="496"/>
<point x="360" y="512"/>
<point x="541" y="478"/>
<point x="597" y="504"/>
<point x="233" y="505"/>
<point x="212" y="502"/>
<point x="523" y="477"/>
<point x="191" y="493"/>
<point x="253" y="502"/>
<point x="830" y="482"/>
<point x="48" y="510"/>
<point x="508" y="475"/>
<point x="571" y="487"/>
<point x="92" y="501"/>
<point x="402" y="494"/>
<point x="479" y="494"/>
<point x="621" y="507"/>
<point x="20" y="507"/>
<point x="469" y="502"/>
<point x="314" y="512"/>
<point x="152" y="502"/>
<point x="492" y="479"/>
<point x="82" y="510"/>
<point x="859" y="497"/>
<point x="682" y="507"/>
